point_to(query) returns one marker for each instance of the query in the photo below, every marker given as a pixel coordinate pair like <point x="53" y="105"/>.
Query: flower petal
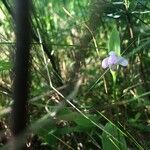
<point x="122" y="61"/>
<point x="105" y="63"/>
<point x="112" y="59"/>
<point x="112" y="53"/>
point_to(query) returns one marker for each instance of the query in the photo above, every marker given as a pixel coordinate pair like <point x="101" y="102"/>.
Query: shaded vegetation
<point x="74" y="103"/>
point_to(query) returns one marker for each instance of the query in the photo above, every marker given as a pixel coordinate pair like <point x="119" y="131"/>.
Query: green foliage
<point x="5" y="65"/>
<point x="115" y="140"/>
<point x="114" y="41"/>
<point x="77" y="118"/>
<point x="77" y="35"/>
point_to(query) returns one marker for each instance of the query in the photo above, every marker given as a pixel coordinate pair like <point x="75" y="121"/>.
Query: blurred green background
<point x="74" y="103"/>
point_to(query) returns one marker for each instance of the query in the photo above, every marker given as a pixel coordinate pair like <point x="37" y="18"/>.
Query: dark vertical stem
<point x="22" y="65"/>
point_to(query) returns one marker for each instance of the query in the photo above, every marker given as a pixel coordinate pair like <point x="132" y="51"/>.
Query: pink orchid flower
<point x="113" y="60"/>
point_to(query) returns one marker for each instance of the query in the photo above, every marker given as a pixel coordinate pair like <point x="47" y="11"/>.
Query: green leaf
<point x="114" y="141"/>
<point x="45" y="127"/>
<point x="83" y="122"/>
<point x="66" y="130"/>
<point x="80" y="120"/>
<point x="5" y="65"/>
<point x="114" y="41"/>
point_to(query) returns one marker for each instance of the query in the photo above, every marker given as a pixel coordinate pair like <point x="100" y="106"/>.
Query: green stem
<point x="114" y="76"/>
